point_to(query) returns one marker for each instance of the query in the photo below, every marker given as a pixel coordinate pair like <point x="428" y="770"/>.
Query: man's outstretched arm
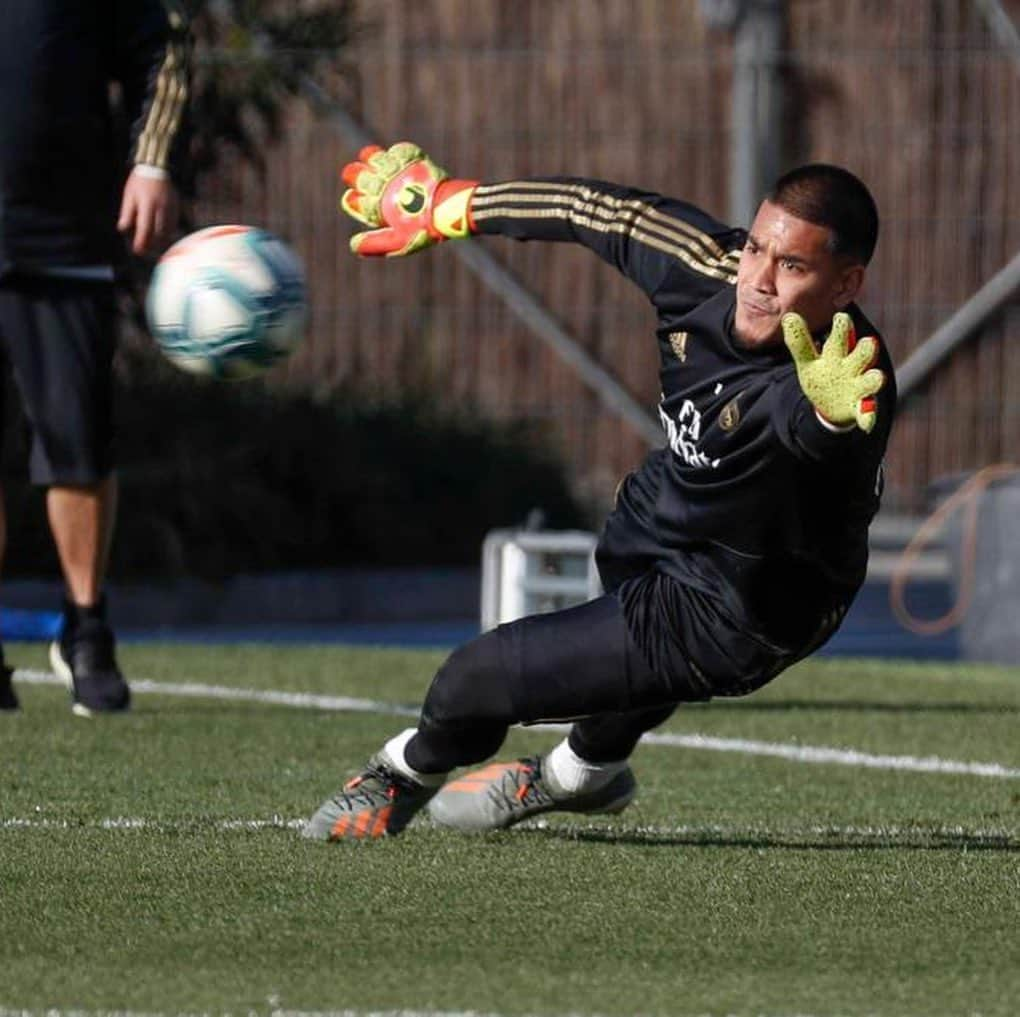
<point x="410" y="203"/>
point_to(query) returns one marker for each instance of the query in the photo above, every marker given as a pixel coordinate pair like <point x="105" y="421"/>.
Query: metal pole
<point x="954" y="331"/>
<point x="755" y="149"/>
<point x="522" y="303"/>
<point x="1002" y="27"/>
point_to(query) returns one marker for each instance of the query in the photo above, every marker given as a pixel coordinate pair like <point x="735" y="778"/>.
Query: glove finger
<point x="866" y="414"/>
<point x="357" y="206"/>
<point x="405" y="152"/>
<point x="841" y="337"/>
<point x="369" y="244"/>
<point x="362" y="178"/>
<point x="870" y="382"/>
<point x="851" y="337"/>
<point x="349" y="173"/>
<point x="864" y="385"/>
<point x="798" y="339"/>
<point x="864" y="355"/>
<point x="387" y="241"/>
<point x="387" y="163"/>
<point x="416" y="241"/>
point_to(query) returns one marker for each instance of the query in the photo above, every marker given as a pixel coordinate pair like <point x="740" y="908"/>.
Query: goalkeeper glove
<point x="838" y="381"/>
<point x="409" y="201"/>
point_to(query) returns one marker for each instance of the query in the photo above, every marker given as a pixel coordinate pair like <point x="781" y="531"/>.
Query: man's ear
<point x="848" y="286"/>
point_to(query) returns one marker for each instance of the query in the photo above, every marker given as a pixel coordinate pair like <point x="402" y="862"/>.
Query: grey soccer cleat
<point x="503" y="794"/>
<point x="378" y="802"/>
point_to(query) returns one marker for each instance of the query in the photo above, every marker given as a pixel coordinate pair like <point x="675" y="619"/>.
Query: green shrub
<point x="219" y="479"/>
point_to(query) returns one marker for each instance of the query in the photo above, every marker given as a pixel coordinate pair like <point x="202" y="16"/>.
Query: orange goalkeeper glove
<point x="409" y="201"/>
<point x="837" y="381"/>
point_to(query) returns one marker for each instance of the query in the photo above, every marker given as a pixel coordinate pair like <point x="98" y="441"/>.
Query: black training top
<point x="752" y="502"/>
<point x="60" y="172"/>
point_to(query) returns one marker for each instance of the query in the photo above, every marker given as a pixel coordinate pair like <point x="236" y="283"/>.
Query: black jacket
<point x="752" y="502"/>
<point x="61" y="168"/>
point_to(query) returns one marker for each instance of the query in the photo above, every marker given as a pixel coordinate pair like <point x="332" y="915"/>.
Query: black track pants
<point x="577" y="663"/>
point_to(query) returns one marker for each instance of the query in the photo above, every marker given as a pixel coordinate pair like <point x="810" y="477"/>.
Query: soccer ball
<point x="227" y="302"/>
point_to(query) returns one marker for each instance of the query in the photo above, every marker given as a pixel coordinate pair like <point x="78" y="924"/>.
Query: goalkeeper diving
<point x="733" y="551"/>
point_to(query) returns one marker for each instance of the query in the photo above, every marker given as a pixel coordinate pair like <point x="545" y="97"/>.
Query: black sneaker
<point x="378" y="802"/>
<point x="83" y="657"/>
<point x="8" y="700"/>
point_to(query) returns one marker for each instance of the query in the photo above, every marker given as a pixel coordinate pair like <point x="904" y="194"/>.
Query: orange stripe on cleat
<point x="382" y="818"/>
<point x="472" y="781"/>
<point x="340" y="827"/>
<point x="467" y="786"/>
<point x="488" y="772"/>
<point x="363" y="822"/>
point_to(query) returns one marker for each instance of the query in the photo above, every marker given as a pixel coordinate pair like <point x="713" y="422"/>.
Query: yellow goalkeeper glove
<point x="840" y="381"/>
<point x="409" y="201"/>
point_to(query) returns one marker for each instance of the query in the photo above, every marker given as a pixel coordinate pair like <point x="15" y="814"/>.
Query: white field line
<point x="158" y="825"/>
<point x="840" y="757"/>
<point x="816" y="754"/>
<point x="278" y="1012"/>
<point x="858" y="836"/>
<point x="268" y="1012"/>
<point x="196" y="690"/>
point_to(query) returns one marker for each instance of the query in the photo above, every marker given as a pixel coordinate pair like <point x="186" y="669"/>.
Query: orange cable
<point x="967" y="495"/>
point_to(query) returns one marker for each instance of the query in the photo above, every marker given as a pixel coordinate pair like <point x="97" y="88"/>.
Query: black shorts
<point x="59" y="336"/>
<point x="687" y="640"/>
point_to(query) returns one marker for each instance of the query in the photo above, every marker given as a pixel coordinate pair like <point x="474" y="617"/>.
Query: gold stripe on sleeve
<point x="164" y="116"/>
<point x="605" y="213"/>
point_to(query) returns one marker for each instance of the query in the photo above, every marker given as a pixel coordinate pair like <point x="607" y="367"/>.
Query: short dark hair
<point x="832" y="197"/>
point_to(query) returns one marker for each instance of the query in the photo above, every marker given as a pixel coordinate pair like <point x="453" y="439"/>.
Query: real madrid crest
<point x="730" y="415"/>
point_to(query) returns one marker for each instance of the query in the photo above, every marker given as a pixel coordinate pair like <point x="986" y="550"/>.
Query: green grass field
<point x="151" y="864"/>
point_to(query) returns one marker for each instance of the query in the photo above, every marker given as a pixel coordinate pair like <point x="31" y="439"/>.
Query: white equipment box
<point x="533" y="571"/>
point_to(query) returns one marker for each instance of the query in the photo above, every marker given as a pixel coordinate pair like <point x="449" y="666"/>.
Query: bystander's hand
<point x="148" y="211"/>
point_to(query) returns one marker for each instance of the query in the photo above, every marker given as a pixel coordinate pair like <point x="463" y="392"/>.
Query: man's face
<point x="786" y="265"/>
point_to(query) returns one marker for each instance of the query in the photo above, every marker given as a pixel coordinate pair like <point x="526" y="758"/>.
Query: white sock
<point x="394" y="750"/>
<point x="572" y="773"/>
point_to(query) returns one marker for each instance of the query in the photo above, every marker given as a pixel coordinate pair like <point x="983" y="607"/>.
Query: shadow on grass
<point x="857" y="706"/>
<point x="808" y="839"/>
